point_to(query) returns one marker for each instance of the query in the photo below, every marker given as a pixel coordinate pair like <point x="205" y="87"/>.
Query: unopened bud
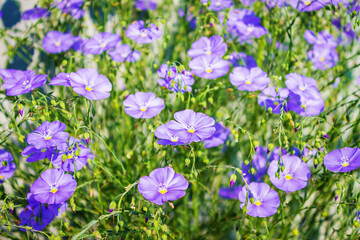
<point x="21" y="111"/>
<point x="112" y="206"/>
<point x="232" y="180"/>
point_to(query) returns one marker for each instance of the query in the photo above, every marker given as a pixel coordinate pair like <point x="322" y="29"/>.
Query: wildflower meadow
<point x="179" y="119"/>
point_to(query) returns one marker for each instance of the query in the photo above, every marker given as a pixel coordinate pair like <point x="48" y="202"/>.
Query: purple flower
<point x="134" y="56"/>
<point x="72" y="155"/>
<point x="54" y="186"/>
<point x="145" y="5"/>
<point x="20" y="82"/>
<point x="192" y="126"/>
<point x="7" y="165"/>
<point x="61" y="79"/>
<point x="271" y="98"/>
<point x="308" y="5"/>
<point x="38" y="154"/>
<point x="78" y="44"/>
<point x="274" y="3"/>
<point x="248" y="3"/>
<point x="168" y="136"/>
<point x="143" y="105"/>
<point x="243" y="25"/>
<point x="294" y="173"/>
<point x="258" y="163"/>
<point x="208" y="46"/>
<point x="322" y="39"/>
<point x="123" y="53"/>
<point x="307" y="152"/>
<point x="245" y="79"/>
<point x="301" y="85"/>
<point x="230" y="192"/>
<point x="35" y="13"/>
<point x="89" y="83"/>
<point x="57" y="42"/>
<point x="173" y="80"/>
<point x="241" y="59"/>
<point x="262" y="200"/>
<point x="140" y="34"/>
<point x="189" y="17"/>
<point x="37" y="215"/>
<point x="275" y="154"/>
<point x="219" y="137"/>
<point x="305" y="106"/>
<point x="218" y="5"/>
<point x="101" y="42"/>
<point x="342" y="160"/>
<point x="48" y="134"/>
<point x="162" y="185"/>
<point x="209" y="67"/>
<point x="323" y="58"/>
<point x="71" y="6"/>
<point x="349" y="34"/>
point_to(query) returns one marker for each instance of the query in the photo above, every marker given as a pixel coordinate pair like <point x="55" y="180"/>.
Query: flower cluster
<point x="49" y="193"/>
<point x="243" y="25"/>
<point x="301" y="96"/>
<point x="141" y="34"/>
<point x="207" y="56"/>
<point x="17" y="82"/>
<point x="323" y="54"/>
<point x="86" y="82"/>
<point x="189" y="127"/>
<point x="174" y="79"/>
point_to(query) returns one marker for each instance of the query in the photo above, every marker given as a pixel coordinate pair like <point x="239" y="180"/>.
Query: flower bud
<point x="232" y="180"/>
<point x="187" y="162"/>
<point x="356" y="224"/>
<point x="21" y="111"/>
<point x="112" y="206"/>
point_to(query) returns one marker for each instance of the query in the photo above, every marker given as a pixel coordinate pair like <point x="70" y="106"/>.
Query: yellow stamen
<point x="209" y="70"/>
<point x="307" y="3"/>
<point x="53" y="190"/>
<point x="247" y="82"/>
<point x="69" y="156"/>
<point x="174" y="139"/>
<point x="257" y="203"/>
<point x="57" y="44"/>
<point x="143" y="109"/>
<point x="321" y="59"/>
<point x="143" y="35"/>
<point x="1" y="177"/>
<point x="288" y="177"/>
<point x="345" y="164"/>
<point x="88" y="88"/>
<point x="208" y="52"/>
<point x="163" y="190"/>
<point x="191" y="130"/>
<point x="48" y="137"/>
